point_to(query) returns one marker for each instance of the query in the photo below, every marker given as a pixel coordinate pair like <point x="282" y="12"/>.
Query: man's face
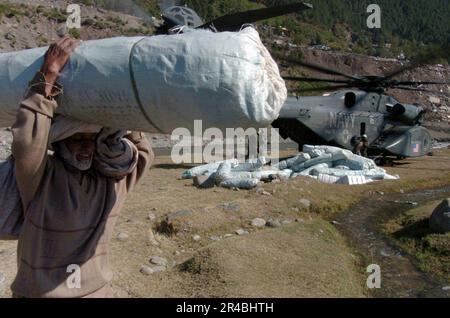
<point x="81" y="148"/>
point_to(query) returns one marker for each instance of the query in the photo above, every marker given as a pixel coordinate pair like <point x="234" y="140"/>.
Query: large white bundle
<point x="159" y="83"/>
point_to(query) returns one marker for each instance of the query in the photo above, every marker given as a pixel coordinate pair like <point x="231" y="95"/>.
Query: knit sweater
<point x="69" y="214"/>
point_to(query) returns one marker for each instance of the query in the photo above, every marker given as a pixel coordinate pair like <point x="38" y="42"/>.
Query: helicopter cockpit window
<point x="363" y="129"/>
<point x="350" y="99"/>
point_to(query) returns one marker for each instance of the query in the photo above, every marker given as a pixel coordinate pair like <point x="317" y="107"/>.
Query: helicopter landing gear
<point x="384" y="161"/>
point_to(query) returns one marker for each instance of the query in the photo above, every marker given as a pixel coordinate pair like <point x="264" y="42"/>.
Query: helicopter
<point x="175" y="17"/>
<point x="340" y="118"/>
<point x="357" y="107"/>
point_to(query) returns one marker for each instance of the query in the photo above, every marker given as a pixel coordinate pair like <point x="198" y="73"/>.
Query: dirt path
<point x="361" y="224"/>
<point x="8" y="266"/>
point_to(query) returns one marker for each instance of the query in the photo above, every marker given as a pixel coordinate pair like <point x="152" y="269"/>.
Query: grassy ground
<point x="297" y="260"/>
<point x="304" y="258"/>
<point x="411" y="232"/>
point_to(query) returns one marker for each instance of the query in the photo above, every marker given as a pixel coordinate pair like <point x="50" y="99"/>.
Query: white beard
<point x="71" y="159"/>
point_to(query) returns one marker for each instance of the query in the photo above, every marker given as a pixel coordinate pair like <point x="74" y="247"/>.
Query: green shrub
<point x="9" y="10"/>
<point x="88" y="22"/>
<point x="75" y="33"/>
<point x="56" y="15"/>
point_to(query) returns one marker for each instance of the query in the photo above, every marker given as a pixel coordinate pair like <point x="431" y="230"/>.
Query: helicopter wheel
<point x="384" y="161"/>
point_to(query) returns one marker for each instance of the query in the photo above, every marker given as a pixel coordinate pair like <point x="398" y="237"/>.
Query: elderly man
<point x="70" y="199"/>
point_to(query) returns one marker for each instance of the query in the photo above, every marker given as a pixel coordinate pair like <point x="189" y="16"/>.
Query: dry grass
<point x="300" y="259"/>
<point x="277" y="263"/>
<point x="8" y="266"/>
<point x="411" y="232"/>
<point x="226" y="262"/>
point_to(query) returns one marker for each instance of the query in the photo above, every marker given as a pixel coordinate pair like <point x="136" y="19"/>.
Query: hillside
<point x="406" y="26"/>
<point x="25" y="26"/>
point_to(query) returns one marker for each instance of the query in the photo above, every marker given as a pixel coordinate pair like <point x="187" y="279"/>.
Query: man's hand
<point x="55" y="59"/>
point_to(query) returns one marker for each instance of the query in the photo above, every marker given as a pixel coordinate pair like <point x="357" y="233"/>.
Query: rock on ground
<point x="258" y="222"/>
<point x="156" y="260"/>
<point x="230" y="206"/>
<point x="306" y="203"/>
<point x="440" y="219"/>
<point x="147" y="270"/>
<point x="122" y="237"/>
<point x="274" y="223"/>
<point x="241" y="232"/>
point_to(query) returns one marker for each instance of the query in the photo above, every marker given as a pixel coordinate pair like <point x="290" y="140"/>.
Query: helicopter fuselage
<point x="342" y="117"/>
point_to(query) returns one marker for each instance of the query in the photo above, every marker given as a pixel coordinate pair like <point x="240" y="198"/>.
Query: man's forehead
<point x="83" y="136"/>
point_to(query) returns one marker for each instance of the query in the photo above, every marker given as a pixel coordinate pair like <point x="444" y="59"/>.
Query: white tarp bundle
<point x="326" y="164"/>
<point x="159" y="83"/>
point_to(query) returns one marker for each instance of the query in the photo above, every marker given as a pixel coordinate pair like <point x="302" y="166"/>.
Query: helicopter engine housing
<point x="408" y="114"/>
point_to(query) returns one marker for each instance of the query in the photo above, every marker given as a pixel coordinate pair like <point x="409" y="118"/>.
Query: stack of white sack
<point x="326" y="164"/>
<point x="158" y="83"/>
<point x="335" y="165"/>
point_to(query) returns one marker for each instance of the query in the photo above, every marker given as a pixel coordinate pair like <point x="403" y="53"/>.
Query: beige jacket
<point x="69" y="215"/>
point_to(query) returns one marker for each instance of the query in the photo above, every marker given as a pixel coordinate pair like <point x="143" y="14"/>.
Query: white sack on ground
<point x="268" y="175"/>
<point x="158" y="83"/>
<point x="325" y="178"/>
<point x="240" y="183"/>
<point x="207" y="169"/>
<point x="251" y="165"/>
<point x="293" y="162"/>
<point x="353" y="180"/>
<point x="323" y="163"/>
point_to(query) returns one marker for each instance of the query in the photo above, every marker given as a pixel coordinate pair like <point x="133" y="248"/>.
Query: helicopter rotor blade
<point x="320" y="89"/>
<point x="233" y="22"/>
<point x="400" y="71"/>
<point x="442" y="53"/>
<point x="414" y="89"/>
<point x="315" y="67"/>
<point x="312" y="80"/>
<point x="164" y="4"/>
<point x="412" y="83"/>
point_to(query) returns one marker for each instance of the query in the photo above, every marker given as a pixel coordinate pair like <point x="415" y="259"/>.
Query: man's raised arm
<point x="33" y="121"/>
